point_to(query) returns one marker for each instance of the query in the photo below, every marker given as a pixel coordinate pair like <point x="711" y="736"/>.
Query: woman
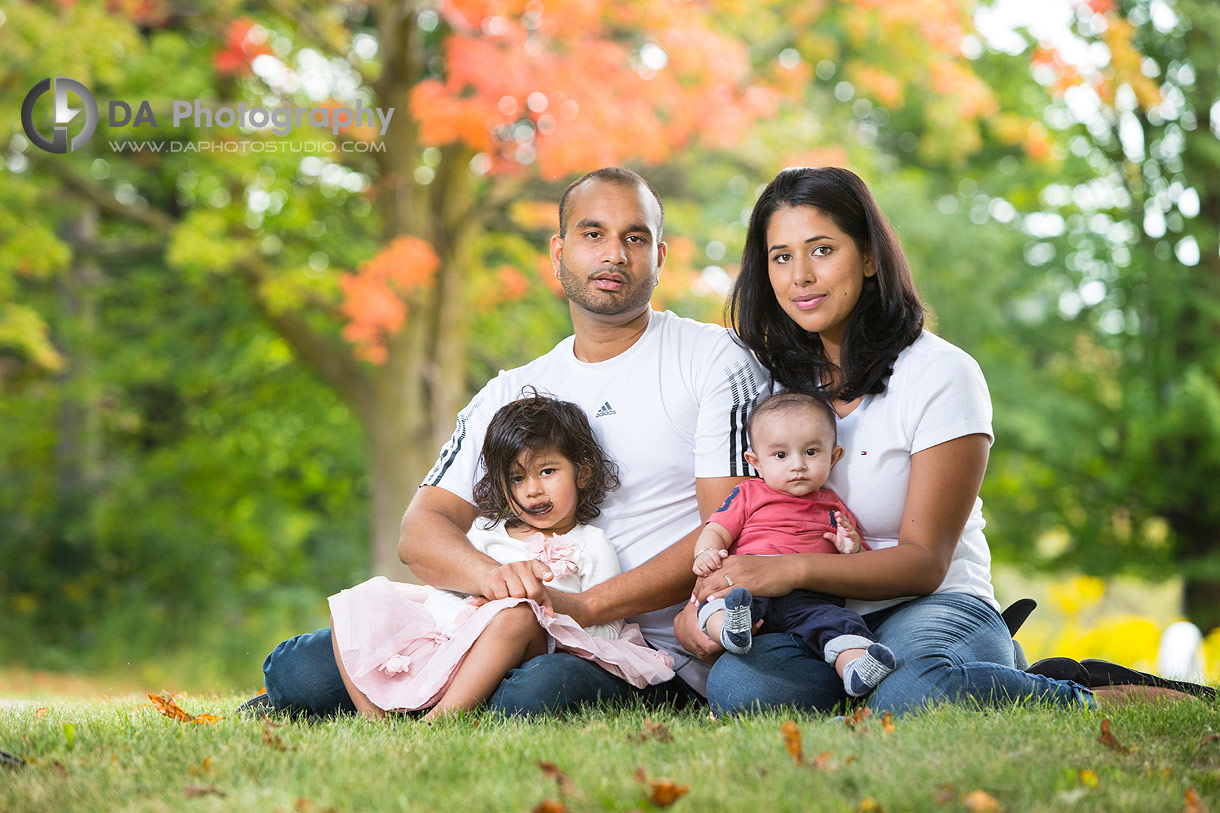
<point x="826" y="301"/>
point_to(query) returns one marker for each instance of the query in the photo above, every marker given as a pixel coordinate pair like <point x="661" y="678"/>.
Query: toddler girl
<point x="405" y="647"/>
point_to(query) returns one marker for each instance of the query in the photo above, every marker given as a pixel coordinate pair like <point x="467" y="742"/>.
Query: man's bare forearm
<point x="662" y="581"/>
<point x="433" y="542"/>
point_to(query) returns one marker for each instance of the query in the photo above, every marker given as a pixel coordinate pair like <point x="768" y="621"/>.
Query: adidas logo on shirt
<point x="605" y="410"/>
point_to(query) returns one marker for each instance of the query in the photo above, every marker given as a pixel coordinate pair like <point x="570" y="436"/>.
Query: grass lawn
<point x="122" y="754"/>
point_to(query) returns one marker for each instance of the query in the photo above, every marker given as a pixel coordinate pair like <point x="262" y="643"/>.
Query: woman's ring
<point x="730" y="581"/>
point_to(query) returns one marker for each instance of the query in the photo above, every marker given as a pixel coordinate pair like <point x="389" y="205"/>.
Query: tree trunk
<point x="397" y="465"/>
<point x="77" y="423"/>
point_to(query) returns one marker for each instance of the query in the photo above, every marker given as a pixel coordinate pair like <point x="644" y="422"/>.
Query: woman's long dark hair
<point x="532" y="425"/>
<point x="887" y="318"/>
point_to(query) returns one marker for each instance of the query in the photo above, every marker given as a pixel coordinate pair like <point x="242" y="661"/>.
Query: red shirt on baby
<point x="765" y="521"/>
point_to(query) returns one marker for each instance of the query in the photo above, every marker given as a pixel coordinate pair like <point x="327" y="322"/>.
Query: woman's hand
<point x="686" y="628"/>
<point x="761" y="575"/>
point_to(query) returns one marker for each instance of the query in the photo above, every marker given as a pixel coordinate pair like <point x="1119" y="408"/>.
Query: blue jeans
<point x="949" y="647"/>
<point x="301" y="676"/>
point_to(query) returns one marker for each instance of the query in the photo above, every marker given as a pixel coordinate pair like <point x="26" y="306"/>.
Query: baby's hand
<point x="708" y="561"/>
<point x="846" y="538"/>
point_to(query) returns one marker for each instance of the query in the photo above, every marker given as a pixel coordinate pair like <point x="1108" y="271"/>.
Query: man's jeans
<point x="301" y="676"/>
<point x="949" y="646"/>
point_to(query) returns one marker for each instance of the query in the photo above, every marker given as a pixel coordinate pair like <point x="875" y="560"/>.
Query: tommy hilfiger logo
<point x="605" y="410"/>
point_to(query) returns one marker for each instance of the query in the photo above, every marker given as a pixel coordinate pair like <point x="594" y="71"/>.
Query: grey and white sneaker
<point x="737" y="633"/>
<point x="863" y="674"/>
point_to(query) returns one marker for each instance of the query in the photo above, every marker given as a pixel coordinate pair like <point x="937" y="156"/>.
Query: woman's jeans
<point x="301" y="676"/>
<point x="949" y="647"/>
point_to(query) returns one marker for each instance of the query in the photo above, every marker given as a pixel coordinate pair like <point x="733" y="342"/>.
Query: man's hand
<point x="846" y="538"/>
<point x="693" y="640"/>
<point x="518" y="580"/>
<point x="707" y="561"/>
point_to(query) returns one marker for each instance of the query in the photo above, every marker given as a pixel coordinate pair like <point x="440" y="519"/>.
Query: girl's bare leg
<point x="363" y="705"/>
<point x="511" y="638"/>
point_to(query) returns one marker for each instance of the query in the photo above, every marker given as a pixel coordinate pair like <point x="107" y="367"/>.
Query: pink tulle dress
<point x="401" y="644"/>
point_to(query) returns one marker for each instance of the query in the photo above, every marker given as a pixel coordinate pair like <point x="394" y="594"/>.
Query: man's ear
<point x="662" y="252"/>
<point x="751" y="458"/>
<point x="836" y="455"/>
<point x="556" y="253"/>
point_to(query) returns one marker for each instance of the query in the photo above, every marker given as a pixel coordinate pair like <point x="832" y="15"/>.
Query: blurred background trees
<point x="223" y="373"/>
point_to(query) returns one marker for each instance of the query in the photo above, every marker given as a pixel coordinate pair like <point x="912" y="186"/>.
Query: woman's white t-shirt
<point x="936" y="393"/>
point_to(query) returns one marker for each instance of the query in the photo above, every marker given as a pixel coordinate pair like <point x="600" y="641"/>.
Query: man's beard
<point x="579" y="290"/>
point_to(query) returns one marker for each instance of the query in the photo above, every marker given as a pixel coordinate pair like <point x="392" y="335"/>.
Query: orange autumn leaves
<point x="657" y="792"/>
<point x="374" y="298"/>
<point x="165" y="703"/>
<point x="558" y="85"/>
<point x="1124" y="66"/>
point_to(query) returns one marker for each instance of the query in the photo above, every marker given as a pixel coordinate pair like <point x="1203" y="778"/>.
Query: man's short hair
<point x="620" y="176"/>
<point x="791" y="400"/>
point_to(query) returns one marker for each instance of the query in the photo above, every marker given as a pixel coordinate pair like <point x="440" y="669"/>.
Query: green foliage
<point x="224" y="500"/>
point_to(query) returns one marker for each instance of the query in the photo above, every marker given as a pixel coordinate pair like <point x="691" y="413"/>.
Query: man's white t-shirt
<point x="671" y="408"/>
<point x="936" y="393"/>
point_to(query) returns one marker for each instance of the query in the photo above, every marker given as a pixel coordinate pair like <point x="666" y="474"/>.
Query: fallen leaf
<point x="59" y="768"/>
<point x="948" y="792"/>
<point x="39" y="712"/>
<point x="856" y="719"/>
<point x="165" y="704"/>
<point x="200" y="769"/>
<point x="887" y="723"/>
<point x="305" y="806"/>
<point x="651" y="730"/>
<point x="566" y="786"/>
<point x="1210" y="738"/>
<point x="1193" y="803"/>
<point x="823" y="762"/>
<point x="792" y="741"/>
<point x="665" y="792"/>
<point x="550" y="806"/>
<point x="202" y="790"/>
<point x="1089" y="778"/>
<point x="274" y="741"/>
<point x="869" y="805"/>
<point x="980" y="801"/>
<point x="1108" y="739"/>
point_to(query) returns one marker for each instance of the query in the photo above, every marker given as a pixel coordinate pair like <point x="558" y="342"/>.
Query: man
<point x="667" y="398"/>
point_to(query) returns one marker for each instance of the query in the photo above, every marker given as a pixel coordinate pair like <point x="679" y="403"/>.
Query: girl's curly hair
<point x="533" y="424"/>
